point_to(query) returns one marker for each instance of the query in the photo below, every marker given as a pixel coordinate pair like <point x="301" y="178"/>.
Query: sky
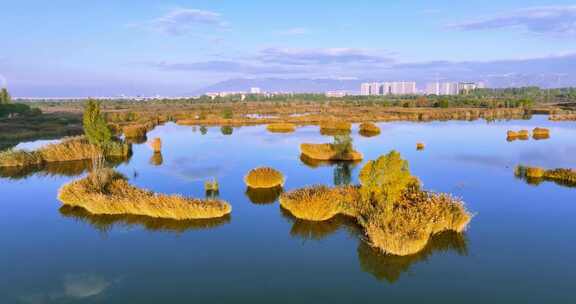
<point x="135" y="47"/>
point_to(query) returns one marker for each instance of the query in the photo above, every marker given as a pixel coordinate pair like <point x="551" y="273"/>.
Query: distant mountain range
<point x="283" y="85"/>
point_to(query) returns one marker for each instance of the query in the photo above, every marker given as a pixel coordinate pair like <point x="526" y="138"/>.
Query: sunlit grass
<point x="369" y="129"/>
<point x="69" y="149"/>
<point x="264" y="177"/>
<point x="135" y="131"/>
<point x="281" y="127"/>
<point x="320" y="203"/>
<point x="105" y="191"/>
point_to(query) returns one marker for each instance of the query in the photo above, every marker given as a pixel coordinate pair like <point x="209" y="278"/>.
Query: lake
<point x="519" y="246"/>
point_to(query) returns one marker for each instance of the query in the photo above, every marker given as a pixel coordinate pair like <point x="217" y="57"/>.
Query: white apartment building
<point x="452" y="88"/>
<point x="389" y="88"/>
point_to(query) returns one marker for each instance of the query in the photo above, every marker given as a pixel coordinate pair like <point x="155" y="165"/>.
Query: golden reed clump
<point x="369" y="129"/>
<point x="281" y="127"/>
<point x="328" y="152"/>
<point x="156" y="145"/>
<point x="264" y="177"/>
<point x="69" y="149"/>
<point x="335" y="127"/>
<point x="135" y="131"/>
<point x="320" y="203"/>
<point x="540" y="133"/>
<point x="106" y="192"/>
<point x="398" y="219"/>
<point x="566" y="177"/>
<point x="420" y="146"/>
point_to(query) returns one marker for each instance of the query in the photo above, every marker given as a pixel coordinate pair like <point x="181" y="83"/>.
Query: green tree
<point x="342" y="144"/>
<point x="385" y="179"/>
<point x="95" y="127"/>
<point x="5" y="96"/>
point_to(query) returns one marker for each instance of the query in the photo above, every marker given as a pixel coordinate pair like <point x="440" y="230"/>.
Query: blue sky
<point x="92" y="48"/>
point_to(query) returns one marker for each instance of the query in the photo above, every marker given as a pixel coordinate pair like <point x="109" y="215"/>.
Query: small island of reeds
<point x="397" y="216"/>
<point x="264" y="177"/>
<point x="104" y="191"/>
<point x="281" y="127"/>
<point x="369" y="129"/>
<point x="535" y="175"/>
<point x="335" y="127"/>
<point x="340" y="149"/>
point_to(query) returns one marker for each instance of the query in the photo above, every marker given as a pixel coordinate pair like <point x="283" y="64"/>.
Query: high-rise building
<point x="452" y="88"/>
<point x="388" y="88"/>
<point x="365" y="89"/>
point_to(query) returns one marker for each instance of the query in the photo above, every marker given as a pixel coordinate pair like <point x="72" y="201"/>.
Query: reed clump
<point x="420" y="146"/>
<point x="397" y="216"/>
<point x="328" y="152"/>
<point x="335" y="127"/>
<point x="319" y="203"/>
<point x="104" y="191"/>
<point x="135" y="131"/>
<point x="540" y="133"/>
<point x="69" y="149"/>
<point x="264" y="177"/>
<point x="369" y="129"/>
<point x="156" y="145"/>
<point x="281" y="127"/>
<point x="211" y="186"/>
<point x="561" y="176"/>
<point x="523" y="134"/>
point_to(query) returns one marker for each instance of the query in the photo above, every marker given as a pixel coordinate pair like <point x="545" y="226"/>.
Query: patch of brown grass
<point x="281" y="127"/>
<point x="106" y="192"/>
<point x="328" y="152"/>
<point x="264" y="177"/>
<point x="135" y="131"/>
<point x="319" y="203"/>
<point x="535" y="175"/>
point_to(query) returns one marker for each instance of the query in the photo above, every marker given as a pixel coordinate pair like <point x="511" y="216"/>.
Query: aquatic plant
<point x="156" y="145"/>
<point x="540" y="133"/>
<point x="211" y="185"/>
<point x="320" y="203"/>
<point x="397" y="216"/>
<point x="68" y="149"/>
<point x="523" y="134"/>
<point x="281" y="127"/>
<point x="264" y="177"/>
<point x="335" y="127"/>
<point x="369" y="129"/>
<point x="534" y="175"/>
<point x="104" y="191"/>
<point x="420" y="146"/>
<point x="135" y="131"/>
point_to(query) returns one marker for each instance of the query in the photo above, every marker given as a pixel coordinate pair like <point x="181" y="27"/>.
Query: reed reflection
<point x="105" y="223"/>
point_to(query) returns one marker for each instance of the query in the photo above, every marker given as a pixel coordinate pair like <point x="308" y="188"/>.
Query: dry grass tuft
<point x="104" y="191"/>
<point x="334" y="127"/>
<point x="20" y="158"/>
<point x="420" y="146"/>
<point x="523" y="134"/>
<point x="264" y="177"/>
<point x="281" y="127"/>
<point x="328" y="152"/>
<point x="540" y="133"/>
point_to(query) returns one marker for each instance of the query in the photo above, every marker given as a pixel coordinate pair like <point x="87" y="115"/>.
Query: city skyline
<point x="64" y="48"/>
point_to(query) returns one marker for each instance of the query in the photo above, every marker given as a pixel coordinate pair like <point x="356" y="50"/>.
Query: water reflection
<point x="157" y="159"/>
<point x="226" y="130"/>
<point x="368" y="134"/>
<point x="342" y="169"/>
<point x="312" y="230"/>
<point x="53" y="169"/>
<point x="391" y="267"/>
<point x="263" y="196"/>
<point x="105" y="223"/>
<point x="203" y="130"/>
<point x="75" y="287"/>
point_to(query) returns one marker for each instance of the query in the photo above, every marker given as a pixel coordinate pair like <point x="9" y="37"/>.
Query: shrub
<point x="281" y="127"/>
<point x="106" y="192"/>
<point x="264" y="177"/>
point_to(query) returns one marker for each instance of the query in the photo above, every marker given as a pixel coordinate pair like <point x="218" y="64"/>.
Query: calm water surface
<point x="520" y="246"/>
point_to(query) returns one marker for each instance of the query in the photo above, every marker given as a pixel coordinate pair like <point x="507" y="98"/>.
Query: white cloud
<point x="552" y="20"/>
<point x="182" y="21"/>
